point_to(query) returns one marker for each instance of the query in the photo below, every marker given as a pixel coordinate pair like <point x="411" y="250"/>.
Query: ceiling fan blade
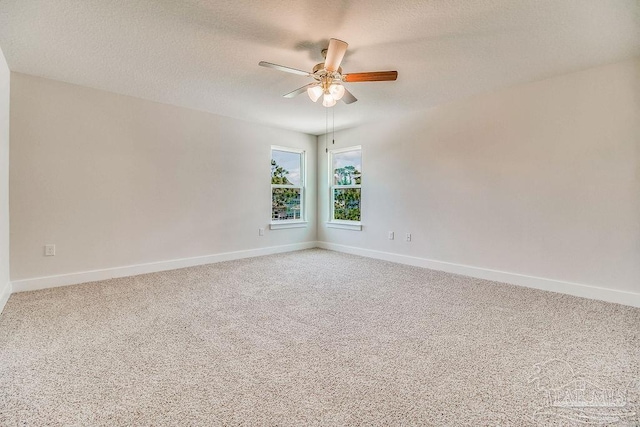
<point x="374" y="76"/>
<point x="348" y="97"/>
<point x="335" y="53"/>
<point x="299" y="90"/>
<point x="283" y="68"/>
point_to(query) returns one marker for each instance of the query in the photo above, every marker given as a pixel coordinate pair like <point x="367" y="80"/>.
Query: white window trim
<point x="281" y="225"/>
<point x="351" y="225"/>
<point x="335" y="223"/>
<point x="293" y="223"/>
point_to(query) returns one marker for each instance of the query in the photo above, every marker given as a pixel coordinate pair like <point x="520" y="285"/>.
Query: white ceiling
<point x="204" y="54"/>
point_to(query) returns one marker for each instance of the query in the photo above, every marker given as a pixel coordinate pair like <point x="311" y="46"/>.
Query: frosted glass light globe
<point x="314" y="93"/>
<point x="328" y="100"/>
<point x="337" y="91"/>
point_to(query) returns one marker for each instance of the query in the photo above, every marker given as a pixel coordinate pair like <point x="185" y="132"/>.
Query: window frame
<point x="302" y="221"/>
<point x="343" y="223"/>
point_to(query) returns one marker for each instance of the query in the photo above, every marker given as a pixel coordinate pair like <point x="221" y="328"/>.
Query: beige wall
<point x="541" y="179"/>
<point x="4" y="181"/>
<point x="115" y="181"/>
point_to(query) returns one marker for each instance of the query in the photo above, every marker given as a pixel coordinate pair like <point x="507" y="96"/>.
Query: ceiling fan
<point x="329" y="78"/>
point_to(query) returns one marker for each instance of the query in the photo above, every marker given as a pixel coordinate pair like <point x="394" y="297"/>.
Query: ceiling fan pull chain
<point x="333" y="126"/>
<point x="326" y="127"/>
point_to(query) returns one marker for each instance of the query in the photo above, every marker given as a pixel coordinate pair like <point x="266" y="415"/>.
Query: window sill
<point x="355" y="226"/>
<point x="282" y="225"/>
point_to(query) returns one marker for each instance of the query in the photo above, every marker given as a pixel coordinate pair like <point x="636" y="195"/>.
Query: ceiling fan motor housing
<point x="319" y="70"/>
<point x="326" y="78"/>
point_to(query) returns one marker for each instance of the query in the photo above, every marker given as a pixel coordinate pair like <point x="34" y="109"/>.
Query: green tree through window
<point x="279" y="174"/>
<point x="346" y="189"/>
<point x="286" y="185"/>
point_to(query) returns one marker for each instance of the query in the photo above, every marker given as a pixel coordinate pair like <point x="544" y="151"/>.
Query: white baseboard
<point x="152" y="267"/>
<point x="576" y="289"/>
<point x="5" y="293"/>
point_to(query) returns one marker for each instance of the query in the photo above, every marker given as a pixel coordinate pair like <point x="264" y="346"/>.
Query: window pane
<point x="347" y="167"/>
<point x="285" y="204"/>
<point x="285" y="168"/>
<point x="346" y="204"/>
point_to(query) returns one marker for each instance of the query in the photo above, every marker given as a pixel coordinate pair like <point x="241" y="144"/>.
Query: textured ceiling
<point x="204" y="54"/>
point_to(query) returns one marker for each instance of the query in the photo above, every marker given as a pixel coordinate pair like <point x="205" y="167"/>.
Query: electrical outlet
<point x="49" y="250"/>
<point x="260" y="231"/>
<point x="408" y="238"/>
<point x="391" y="235"/>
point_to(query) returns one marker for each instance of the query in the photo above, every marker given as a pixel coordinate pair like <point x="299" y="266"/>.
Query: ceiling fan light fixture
<point x="328" y="100"/>
<point x="337" y="91"/>
<point x="314" y="93"/>
<point x="328" y="76"/>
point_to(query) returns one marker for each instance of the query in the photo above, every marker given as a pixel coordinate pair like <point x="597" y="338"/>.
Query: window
<point x="346" y="181"/>
<point x="287" y="187"/>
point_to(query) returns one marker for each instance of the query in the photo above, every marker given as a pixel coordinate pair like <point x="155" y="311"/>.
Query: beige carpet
<point x="314" y="338"/>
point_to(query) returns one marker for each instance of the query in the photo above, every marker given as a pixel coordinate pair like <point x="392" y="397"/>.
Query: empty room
<point x="338" y="213"/>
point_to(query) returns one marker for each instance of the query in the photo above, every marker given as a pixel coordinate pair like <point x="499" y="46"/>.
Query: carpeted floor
<point x="314" y="338"/>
